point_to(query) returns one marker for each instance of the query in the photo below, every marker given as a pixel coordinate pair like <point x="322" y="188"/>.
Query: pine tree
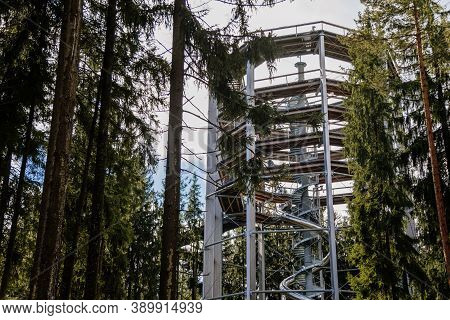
<point x="53" y="196"/>
<point x="144" y="251"/>
<point x="381" y="249"/>
<point x="435" y="170"/>
<point x="22" y="84"/>
<point x="403" y="24"/>
<point x="138" y="86"/>
<point x="36" y="60"/>
<point x="190" y="239"/>
<point x="96" y="224"/>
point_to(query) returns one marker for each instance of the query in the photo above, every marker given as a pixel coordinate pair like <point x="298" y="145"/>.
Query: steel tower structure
<point x="310" y="159"/>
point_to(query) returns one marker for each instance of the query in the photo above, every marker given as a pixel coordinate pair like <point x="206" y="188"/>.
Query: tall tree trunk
<point x="5" y="193"/>
<point x="169" y="250"/>
<point x="392" y="291"/>
<point x="432" y="148"/>
<point x="93" y="265"/>
<point x="55" y="181"/>
<point x="74" y="218"/>
<point x="131" y="273"/>
<point x="17" y="207"/>
<point x="443" y="117"/>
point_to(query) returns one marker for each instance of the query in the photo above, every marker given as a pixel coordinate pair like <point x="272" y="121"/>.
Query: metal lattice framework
<point x="311" y="160"/>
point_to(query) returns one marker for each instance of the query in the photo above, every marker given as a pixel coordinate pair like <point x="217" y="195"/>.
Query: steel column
<point x="250" y="201"/>
<point x="261" y="266"/>
<point x="212" y="265"/>
<point x="328" y="172"/>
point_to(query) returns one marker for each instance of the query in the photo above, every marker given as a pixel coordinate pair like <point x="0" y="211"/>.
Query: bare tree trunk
<point x="443" y="118"/>
<point x="55" y="182"/>
<point x="432" y="148"/>
<point x="93" y="266"/>
<point x="170" y="229"/>
<point x="131" y="273"/>
<point x="392" y="290"/>
<point x="75" y="218"/>
<point x="5" y="193"/>
<point x="17" y="207"/>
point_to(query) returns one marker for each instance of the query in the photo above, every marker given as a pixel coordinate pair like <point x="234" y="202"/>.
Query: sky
<point x="341" y="12"/>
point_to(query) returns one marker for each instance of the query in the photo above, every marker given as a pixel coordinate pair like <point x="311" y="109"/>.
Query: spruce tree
<point x="403" y="24"/>
<point x="53" y="195"/>
<point x="190" y="239"/>
<point x="34" y="76"/>
<point x="96" y="222"/>
<point x="381" y="249"/>
<point x="394" y="77"/>
<point x="145" y="248"/>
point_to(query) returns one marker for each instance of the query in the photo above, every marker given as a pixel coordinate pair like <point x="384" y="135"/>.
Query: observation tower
<point x="305" y="177"/>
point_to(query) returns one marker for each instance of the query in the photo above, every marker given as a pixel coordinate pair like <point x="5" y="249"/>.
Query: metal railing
<point x="304" y="27"/>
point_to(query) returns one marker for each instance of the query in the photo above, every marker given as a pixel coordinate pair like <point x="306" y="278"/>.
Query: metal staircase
<point x="304" y="205"/>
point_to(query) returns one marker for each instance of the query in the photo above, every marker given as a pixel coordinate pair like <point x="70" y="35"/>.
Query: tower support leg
<point x="212" y="259"/>
<point x="328" y="172"/>
<point x="250" y="201"/>
<point x="261" y="266"/>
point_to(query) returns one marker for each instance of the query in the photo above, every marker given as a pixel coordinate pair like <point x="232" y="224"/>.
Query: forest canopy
<point x="82" y="84"/>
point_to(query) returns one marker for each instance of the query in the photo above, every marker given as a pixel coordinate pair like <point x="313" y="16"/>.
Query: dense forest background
<point x="81" y="83"/>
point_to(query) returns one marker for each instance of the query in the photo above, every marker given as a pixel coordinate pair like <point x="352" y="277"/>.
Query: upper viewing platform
<point x="295" y="147"/>
<point x="303" y="39"/>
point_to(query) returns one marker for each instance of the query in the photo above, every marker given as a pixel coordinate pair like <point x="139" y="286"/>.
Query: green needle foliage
<point x="191" y="239"/>
<point x="387" y="146"/>
<point x="381" y="250"/>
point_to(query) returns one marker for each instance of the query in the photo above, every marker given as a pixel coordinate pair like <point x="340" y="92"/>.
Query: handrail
<point x="287" y="75"/>
<point x="320" y="22"/>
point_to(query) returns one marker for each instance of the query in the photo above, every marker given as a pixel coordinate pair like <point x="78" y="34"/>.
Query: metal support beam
<point x="224" y="240"/>
<point x="261" y="266"/>
<point x="250" y="201"/>
<point x="321" y="278"/>
<point x="290" y="230"/>
<point x="212" y="266"/>
<point x="328" y="172"/>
